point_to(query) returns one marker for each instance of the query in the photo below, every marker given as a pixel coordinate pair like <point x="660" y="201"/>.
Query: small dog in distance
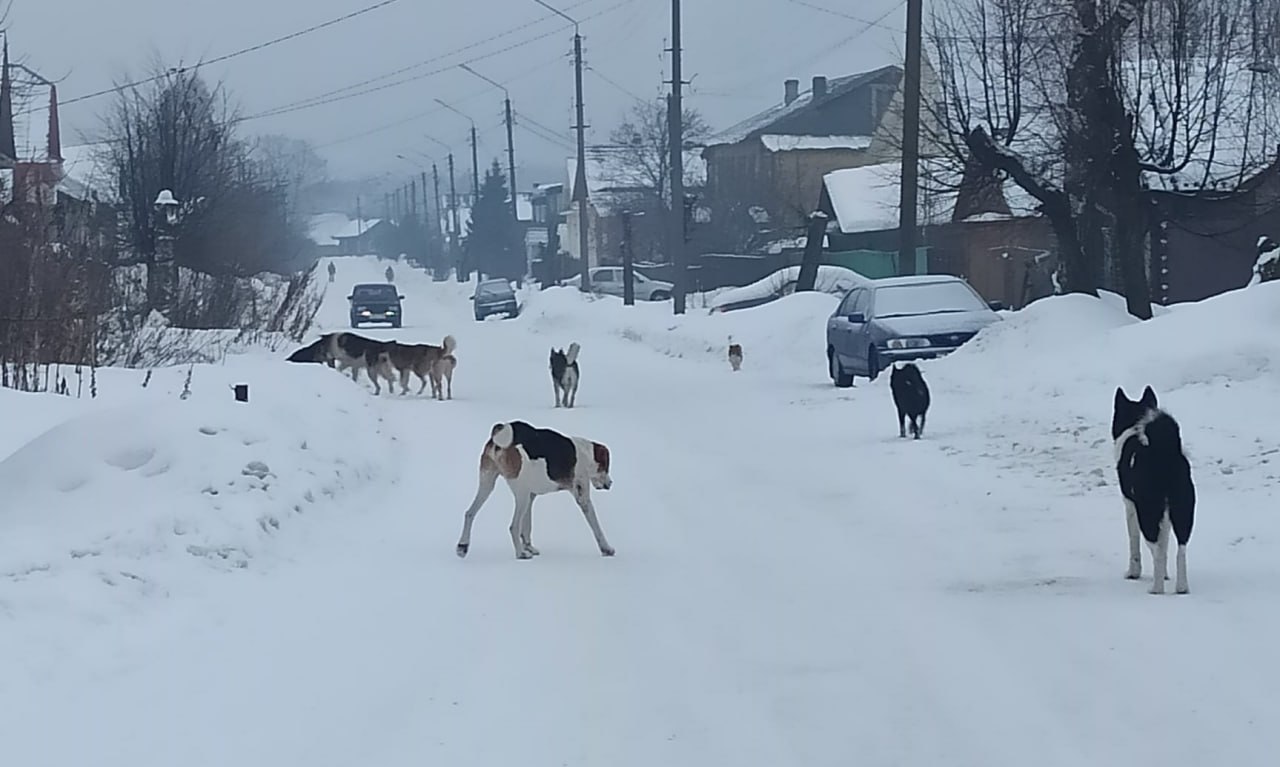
<point x="910" y="396"/>
<point x="1155" y="482"/>
<point x="564" y="375"/>
<point x="735" y="355"/>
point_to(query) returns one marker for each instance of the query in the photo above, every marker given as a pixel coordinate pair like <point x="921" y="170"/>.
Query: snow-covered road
<point x="794" y="585"/>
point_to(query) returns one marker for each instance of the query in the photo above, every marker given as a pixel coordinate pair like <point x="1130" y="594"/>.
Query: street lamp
<point x="475" y="158"/>
<point x="511" y="147"/>
<point x="163" y="289"/>
<point x="580" y="175"/>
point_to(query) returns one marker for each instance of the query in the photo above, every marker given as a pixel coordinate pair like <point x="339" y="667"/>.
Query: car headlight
<point x="365" y="313"/>
<point x="907" y="343"/>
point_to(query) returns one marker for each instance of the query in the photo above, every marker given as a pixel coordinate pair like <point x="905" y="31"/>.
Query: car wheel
<point x="659" y="295"/>
<point x="396" y="323"/>
<point x="873" y="364"/>
<point x="842" y="379"/>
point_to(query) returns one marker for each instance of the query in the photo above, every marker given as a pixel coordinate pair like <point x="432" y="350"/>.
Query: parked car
<point x="376" y="302"/>
<point x="902" y="318"/>
<point x="608" y="280"/>
<point x="495" y="297"/>
<point x="836" y="280"/>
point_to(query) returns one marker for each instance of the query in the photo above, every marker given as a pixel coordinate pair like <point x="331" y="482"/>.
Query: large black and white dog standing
<point x="564" y="375"/>
<point x="1155" y="481"/>
<point x="910" y="396"/>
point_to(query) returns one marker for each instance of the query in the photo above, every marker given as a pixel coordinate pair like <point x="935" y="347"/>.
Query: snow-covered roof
<point x="85" y="167"/>
<point x="866" y="199"/>
<point x="775" y="142"/>
<point x="322" y="226"/>
<point x="761" y="122"/>
<point x="355" y="228"/>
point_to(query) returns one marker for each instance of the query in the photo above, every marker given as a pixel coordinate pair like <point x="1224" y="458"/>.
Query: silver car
<point x="608" y="280"/>
<point x="902" y="318"/>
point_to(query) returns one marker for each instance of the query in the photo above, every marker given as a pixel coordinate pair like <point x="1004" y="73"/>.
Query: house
<point x="972" y="225"/>
<point x="618" y="183"/>
<point x="764" y="172"/>
<point x="364" y="237"/>
<point x="1203" y="243"/>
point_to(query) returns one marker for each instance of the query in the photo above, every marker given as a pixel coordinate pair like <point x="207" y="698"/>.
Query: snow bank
<point x="789" y="329"/>
<point x="836" y="280"/>
<point x="127" y="499"/>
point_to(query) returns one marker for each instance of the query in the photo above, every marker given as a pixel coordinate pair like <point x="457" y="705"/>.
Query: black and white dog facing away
<point x="538" y="462"/>
<point x="564" y="375"/>
<point x="350" y="352"/>
<point x="1155" y="482"/>
<point x="910" y="396"/>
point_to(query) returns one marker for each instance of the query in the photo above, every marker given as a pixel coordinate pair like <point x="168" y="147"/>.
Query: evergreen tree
<point x="492" y="245"/>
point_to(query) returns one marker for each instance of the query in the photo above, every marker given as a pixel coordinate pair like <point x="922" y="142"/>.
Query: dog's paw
<point x="607" y="551"/>
<point x="524" y="555"/>
<point x="533" y="552"/>
<point x="462" y="549"/>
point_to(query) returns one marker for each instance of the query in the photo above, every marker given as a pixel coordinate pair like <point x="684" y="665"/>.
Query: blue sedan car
<point x="902" y="318"/>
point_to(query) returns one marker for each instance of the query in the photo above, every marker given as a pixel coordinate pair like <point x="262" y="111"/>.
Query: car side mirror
<point x="400" y="298"/>
<point x="858" y="318"/>
<point x="471" y="298"/>
<point x="997" y="306"/>
<point x="351" y="297"/>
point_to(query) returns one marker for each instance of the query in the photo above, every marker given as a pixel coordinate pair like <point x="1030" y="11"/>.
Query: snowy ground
<point x="195" y="582"/>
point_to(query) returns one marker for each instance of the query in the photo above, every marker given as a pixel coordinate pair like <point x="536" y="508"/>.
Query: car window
<point x="846" y="306"/>
<point x="927" y="298"/>
<point x="493" y="289"/>
<point x="862" y="304"/>
<point x="374" y="291"/>
<point x="606" y="275"/>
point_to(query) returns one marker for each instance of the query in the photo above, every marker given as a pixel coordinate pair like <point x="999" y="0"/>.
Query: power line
<point x="234" y="54"/>
<point x="843" y="15"/>
<point x="617" y="86"/>
<point x="342" y="94"/>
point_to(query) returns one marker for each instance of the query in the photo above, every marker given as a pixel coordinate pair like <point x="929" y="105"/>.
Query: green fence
<point x="876" y="263"/>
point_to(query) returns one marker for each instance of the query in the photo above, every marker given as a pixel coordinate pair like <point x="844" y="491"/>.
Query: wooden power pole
<point x="909" y="202"/>
<point x="675" y="141"/>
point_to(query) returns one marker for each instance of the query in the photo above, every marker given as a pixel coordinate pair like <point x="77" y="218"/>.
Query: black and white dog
<point x="564" y="375"/>
<point x="1155" y="481"/>
<point x="910" y="396"/>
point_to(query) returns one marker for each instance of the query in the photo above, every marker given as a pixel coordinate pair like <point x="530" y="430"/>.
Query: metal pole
<point x="439" y="214"/>
<point x="511" y="164"/>
<point x="453" y="222"/>
<point x="475" y="169"/>
<point x="580" y="183"/>
<point x="628" y="262"/>
<point x="675" y="141"/>
<point x="907" y="224"/>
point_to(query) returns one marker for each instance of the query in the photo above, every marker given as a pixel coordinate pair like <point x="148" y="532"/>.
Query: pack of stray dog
<point x="386" y="360"/>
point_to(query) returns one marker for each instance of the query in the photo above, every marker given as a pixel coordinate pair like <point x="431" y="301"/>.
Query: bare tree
<point x="642" y="156"/>
<point x="291" y="161"/>
<point x="1088" y="105"/>
<point x="176" y="132"/>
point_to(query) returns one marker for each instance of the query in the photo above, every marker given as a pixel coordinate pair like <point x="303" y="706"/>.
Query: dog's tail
<point x="503" y="435"/>
<point x="450" y="345"/>
<point x="572" y="355"/>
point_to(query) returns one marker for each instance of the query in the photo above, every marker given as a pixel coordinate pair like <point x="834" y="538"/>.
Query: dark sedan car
<point x="495" y="297"/>
<point x="902" y="318"/>
<point x="376" y="302"/>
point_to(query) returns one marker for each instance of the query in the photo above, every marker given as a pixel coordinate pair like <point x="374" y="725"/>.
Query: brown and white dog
<point x="564" y="375"/>
<point x="350" y="352"/>
<point x="420" y="360"/>
<point x="735" y="355"/>
<point x="537" y="462"/>
<point x="443" y="369"/>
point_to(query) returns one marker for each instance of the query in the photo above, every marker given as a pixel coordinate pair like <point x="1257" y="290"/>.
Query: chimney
<point x="7" y="148"/>
<point x="55" y="134"/>
<point x="819" y="87"/>
<point x="791" y="91"/>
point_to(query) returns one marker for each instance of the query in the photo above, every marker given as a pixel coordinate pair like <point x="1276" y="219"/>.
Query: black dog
<point x="911" y="396"/>
<point x="1155" y="481"/>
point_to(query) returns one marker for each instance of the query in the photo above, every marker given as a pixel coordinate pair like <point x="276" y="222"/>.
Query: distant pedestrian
<point x="391" y="274"/>
<point x="333" y="271"/>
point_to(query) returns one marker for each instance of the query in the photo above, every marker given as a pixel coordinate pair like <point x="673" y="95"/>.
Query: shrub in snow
<point x="1267" y="267"/>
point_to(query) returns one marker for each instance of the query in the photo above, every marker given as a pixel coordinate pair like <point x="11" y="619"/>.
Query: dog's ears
<point x="1148" y="397"/>
<point x="1121" y="397"/>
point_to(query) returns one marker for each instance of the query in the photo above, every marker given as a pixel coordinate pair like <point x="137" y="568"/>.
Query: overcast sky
<point x="737" y="52"/>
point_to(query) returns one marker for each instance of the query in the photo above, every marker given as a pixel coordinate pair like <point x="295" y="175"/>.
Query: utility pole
<point x="511" y="162"/>
<point x="628" y="262"/>
<point x="475" y="169"/>
<point x="511" y="147"/>
<point x="580" y="178"/>
<point x="907" y="225"/>
<point x="453" y="221"/>
<point x="439" y="216"/>
<point x="675" y="141"/>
